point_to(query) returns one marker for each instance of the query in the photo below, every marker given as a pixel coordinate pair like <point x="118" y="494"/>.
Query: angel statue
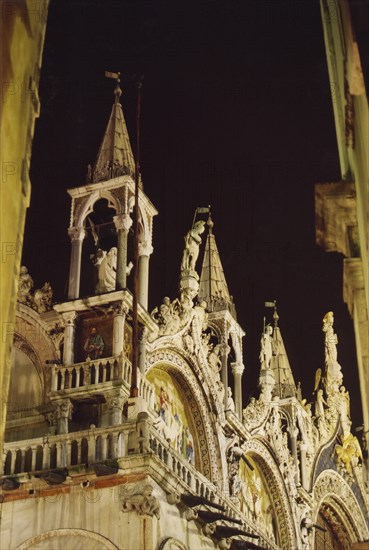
<point x="192" y="246"/>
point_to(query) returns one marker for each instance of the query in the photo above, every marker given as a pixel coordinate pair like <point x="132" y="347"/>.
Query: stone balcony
<point x="96" y="376"/>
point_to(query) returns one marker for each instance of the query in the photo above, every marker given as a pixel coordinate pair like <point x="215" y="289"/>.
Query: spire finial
<point x="117" y="90"/>
<point x="210" y="222"/>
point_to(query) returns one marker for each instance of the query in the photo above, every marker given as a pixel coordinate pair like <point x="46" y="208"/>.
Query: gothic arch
<point x="59" y="539"/>
<point x="84" y="206"/>
<point x="264" y="459"/>
<point x="171" y="361"/>
<point x="332" y="493"/>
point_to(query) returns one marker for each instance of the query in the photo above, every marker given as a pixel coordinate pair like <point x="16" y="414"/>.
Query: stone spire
<point x="213" y="286"/>
<point x="284" y="381"/>
<point x="115" y="156"/>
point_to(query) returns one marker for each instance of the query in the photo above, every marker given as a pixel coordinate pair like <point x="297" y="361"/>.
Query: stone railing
<point x="91" y="372"/>
<point x="66" y="450"/>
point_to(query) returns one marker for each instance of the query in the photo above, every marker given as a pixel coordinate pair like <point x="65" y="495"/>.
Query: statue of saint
<point x="106" y="263"/>
<point x="192" y="246"/>
<point x="94" y="345"/>
<point x="333" y="369"/>
<point x="266" y="350"/>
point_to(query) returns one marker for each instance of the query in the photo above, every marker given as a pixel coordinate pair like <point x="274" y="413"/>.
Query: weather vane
<point x="117" y="91"/>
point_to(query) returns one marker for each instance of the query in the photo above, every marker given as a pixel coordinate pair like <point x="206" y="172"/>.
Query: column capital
<point x="114" y="400"/>
<point x="123" y="221"/>
<point x="237" y="368"/>
<point x="76" y="233"/>
<point x="145" y="248"/>
<point x="224" y="349"/>
<point x="69" y="318"/>
<point x="120" y="309"/>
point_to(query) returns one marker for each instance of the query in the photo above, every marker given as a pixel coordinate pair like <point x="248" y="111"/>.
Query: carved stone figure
<point x="63" y="413"/>
<point x="43" y="297"/>
<point x="25" y="286"/>
<point x="348" y="452"/>
<point x="167" y="316"/>
<point x="107" y="266"/>
<point x="199" y="324"/>
<point x="214" y="360"/>
<point x="192" y="246"/>
<point x="344" y="409"/>
<point x="333" y="369"/>
<point x="230" y="401"/>
<point x="266" y="350"/>
<point x="141" y="500"/>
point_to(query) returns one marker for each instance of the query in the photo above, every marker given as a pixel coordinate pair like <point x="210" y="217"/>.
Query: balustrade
<point x="62" y="451"/>
<point x="90" y="372"/>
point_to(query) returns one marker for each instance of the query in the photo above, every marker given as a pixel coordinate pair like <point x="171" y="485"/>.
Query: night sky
<point x="236" y="113"/>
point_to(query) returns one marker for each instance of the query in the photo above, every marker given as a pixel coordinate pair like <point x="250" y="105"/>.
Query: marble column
<point x="121" y="311"/>
<point x="144" y="252"/>
<point x="303" y="449"/>
<point x="224" y="351"/>
<point x="114" y="409"/>
<point x="293" y="431"/>
<point x="69" y="335"/>
<point x="143" y="332"/>
<point x="77" y="234"/>
<point x="237" y="370"/>
<point x="122" y="223"/>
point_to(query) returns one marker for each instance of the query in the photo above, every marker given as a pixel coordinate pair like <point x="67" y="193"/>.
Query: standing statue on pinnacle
<point x="192" y="246"/>
<point x="333" y="369"/>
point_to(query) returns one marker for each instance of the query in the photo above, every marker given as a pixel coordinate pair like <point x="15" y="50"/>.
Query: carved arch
<point x="332" y="492"/>
<point x="84" y="207"/>
<point x="269" y="468"/>
<point x="57" y="539"/>
<point x="171" y="361"/>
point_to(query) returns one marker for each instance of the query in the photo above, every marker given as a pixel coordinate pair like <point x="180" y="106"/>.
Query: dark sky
<point x="236" y="113"/>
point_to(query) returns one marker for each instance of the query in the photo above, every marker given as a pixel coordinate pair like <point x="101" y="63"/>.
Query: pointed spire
<point x="213" y="286"/>
<point x="285" y="383"/>
<point x="115" y="156"/>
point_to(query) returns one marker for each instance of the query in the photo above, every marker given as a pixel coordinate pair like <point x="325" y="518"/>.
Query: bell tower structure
<point x="111" y="178"/>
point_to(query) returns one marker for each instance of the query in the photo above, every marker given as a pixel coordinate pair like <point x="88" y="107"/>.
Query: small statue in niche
<point x="94" y="345"/>
<point x="106" y="263"/>
<point x="214" y="360"/>
<point x="192" y="246"/>
<point x="230" y="400"/>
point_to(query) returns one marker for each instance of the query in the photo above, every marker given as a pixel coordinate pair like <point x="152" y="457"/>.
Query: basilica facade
<point x="180" y="462"/>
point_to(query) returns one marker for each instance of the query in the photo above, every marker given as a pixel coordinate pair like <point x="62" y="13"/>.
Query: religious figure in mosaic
<point x="192" y="246"/>
<point x="94" y="345"/>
